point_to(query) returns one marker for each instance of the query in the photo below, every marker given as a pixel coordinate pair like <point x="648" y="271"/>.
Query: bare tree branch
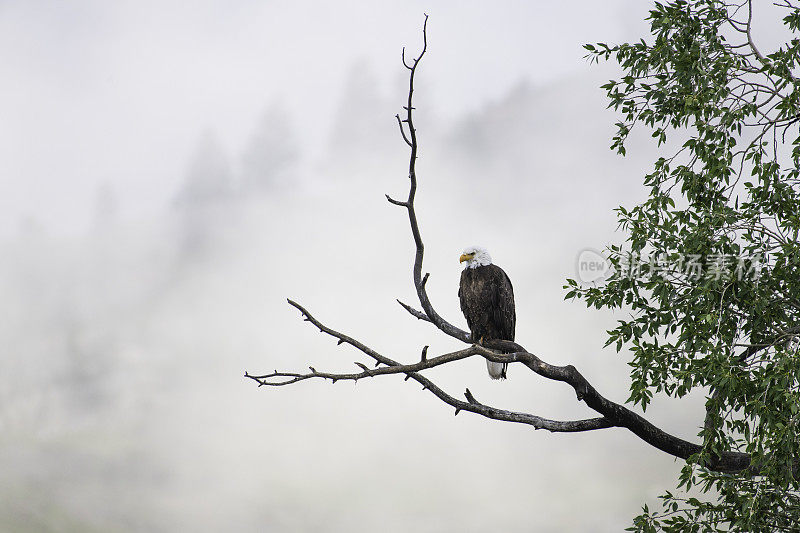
<point x="411" y="140"/>
<point x="411" y="372"/>
<point x="418" y="314"/>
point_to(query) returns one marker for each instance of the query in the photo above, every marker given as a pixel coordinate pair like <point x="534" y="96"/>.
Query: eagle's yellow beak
<point x="465" y="257"/>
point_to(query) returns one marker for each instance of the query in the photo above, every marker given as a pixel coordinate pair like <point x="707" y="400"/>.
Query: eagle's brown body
<point x="487" y="301"/>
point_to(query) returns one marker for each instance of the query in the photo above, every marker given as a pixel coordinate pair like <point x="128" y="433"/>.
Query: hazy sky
<point x="120" y="92"/>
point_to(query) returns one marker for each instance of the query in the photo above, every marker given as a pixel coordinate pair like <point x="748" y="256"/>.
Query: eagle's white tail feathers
<point x="496" y="370"/>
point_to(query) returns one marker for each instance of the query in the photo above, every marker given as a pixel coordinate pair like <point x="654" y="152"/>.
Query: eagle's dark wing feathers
<point x="503" y="312"/>
<point x="462" y="299"/>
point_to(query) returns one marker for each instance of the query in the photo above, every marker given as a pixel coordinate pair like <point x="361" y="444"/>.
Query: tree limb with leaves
<point x="727" y="195"/>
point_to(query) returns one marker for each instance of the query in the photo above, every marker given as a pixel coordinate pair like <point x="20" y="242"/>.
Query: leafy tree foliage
<point x="710" y="271"/>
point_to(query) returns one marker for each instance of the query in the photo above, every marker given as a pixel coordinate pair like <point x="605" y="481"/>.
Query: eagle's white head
<point x="475" y="256"/>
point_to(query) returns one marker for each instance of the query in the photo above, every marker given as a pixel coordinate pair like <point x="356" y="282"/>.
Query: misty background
<point x="170" y="175"/>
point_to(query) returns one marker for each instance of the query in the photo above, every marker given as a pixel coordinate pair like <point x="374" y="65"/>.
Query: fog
<point x="169" y="176"/>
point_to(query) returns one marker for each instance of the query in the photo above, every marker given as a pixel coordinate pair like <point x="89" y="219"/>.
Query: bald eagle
<point x="487" y="301"/>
